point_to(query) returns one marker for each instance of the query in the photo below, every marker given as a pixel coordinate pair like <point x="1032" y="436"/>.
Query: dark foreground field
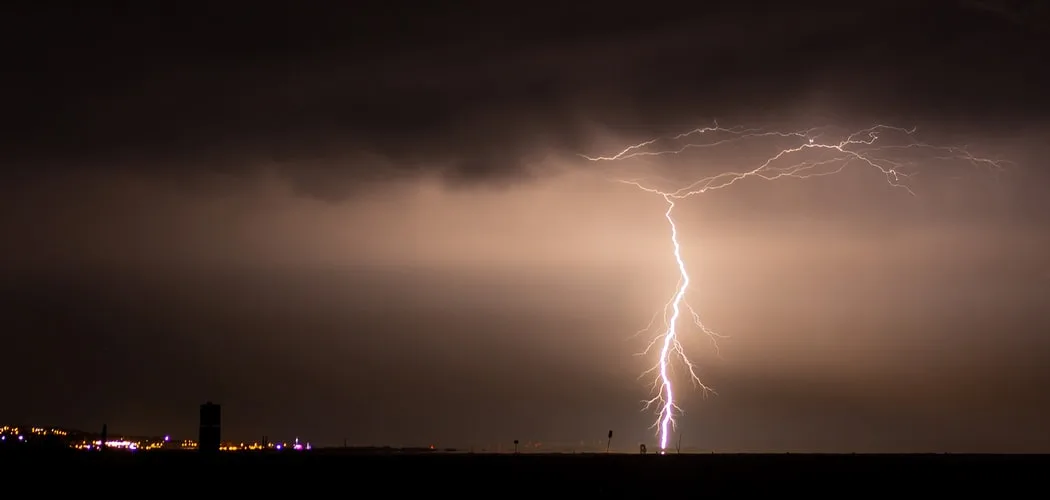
<point x="332" y="472"/>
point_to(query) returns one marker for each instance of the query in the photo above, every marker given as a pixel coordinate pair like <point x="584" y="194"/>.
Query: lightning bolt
<point x="892" y="151"/>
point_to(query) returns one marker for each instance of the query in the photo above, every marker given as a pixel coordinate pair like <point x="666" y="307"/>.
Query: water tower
<point x="211" y="428"/>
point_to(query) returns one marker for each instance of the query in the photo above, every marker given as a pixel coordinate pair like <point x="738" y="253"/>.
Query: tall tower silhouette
<point x="211" y="428"/>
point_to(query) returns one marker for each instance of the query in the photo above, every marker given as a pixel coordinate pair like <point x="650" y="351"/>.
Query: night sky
<point x="373" y="223"/>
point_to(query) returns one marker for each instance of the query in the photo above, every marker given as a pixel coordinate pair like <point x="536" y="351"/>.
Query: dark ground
<point x="332" y="472"/>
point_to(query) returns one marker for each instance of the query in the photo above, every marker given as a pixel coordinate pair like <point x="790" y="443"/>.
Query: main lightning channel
<point x="863" y="147"/>
<point x="666" y="413"/>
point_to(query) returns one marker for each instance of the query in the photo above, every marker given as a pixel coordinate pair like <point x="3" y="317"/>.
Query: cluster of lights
<point x="11" y="434"/>
<point x="128" y="445"/>
<point x="295" y="446"/>
<point x="23" y="434"/>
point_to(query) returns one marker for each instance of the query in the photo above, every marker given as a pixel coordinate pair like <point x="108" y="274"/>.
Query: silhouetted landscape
<point x="429" y="469"/>
<point x="548" y="474"/>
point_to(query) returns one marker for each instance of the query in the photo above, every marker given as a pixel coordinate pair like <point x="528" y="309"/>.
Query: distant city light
<point x="87" y="443"/>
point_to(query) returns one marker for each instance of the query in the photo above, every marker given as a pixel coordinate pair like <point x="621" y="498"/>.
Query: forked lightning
<point x="894" y="152"/>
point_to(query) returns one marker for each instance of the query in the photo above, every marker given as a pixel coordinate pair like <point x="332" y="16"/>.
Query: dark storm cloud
<point x="367" y="93"/>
